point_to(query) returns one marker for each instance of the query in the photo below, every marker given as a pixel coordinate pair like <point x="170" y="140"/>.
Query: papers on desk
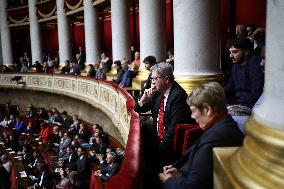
<point x="12" y="152"/>
<point x="8" y="149"/>
<point x="1" y="143"/>
<point x="23" y="174"/>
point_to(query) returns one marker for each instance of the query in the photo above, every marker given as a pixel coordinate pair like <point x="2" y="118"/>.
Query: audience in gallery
<point x="149" y="61"/>
<point x="91" y="72"/>
<point x="170" y="59"/>
<point x="135" y="65"/>
<point x="117" y="78"/>
<point x="72" y="153"/>
<point x="127" y="75"/>
<point x="195" y="168"/>
<point x="247" y="78"/>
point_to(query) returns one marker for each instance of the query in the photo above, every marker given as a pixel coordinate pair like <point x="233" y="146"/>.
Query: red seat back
<point x="182" y="131"/>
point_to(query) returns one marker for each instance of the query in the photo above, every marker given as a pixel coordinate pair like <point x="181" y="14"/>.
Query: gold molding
<point x="48" y="14"/>
<point x="97" y="2"/>
<point x="73" y="7"/>
<point x="190" y="82"/>
<point x="257" y="164"/>
<point x="47" y="19"/>
<point x="17" y="8"/>
<point x="18" y="21"/>
<point x="75" y="11"/>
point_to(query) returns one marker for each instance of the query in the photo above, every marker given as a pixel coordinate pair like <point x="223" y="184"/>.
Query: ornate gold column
<point x="196" y="42"/>
<point x="259" y="163"/>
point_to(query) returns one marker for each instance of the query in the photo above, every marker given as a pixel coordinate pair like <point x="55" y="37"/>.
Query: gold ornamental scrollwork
<point x="74" y="7"/>
<point x="48" y="14"/>
<point x="18" y="21"/>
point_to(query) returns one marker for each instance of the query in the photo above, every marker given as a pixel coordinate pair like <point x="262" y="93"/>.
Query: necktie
<point x="161" y="129"/>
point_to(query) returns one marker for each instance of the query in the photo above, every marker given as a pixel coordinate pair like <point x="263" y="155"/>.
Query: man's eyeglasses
<point x="156" y="78"/>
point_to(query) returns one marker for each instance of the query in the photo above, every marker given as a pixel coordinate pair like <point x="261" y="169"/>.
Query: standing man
<point x="247" y="78"/>
<point x="167" y="101"/>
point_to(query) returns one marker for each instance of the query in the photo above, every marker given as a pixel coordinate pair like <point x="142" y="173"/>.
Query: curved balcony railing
<point x="104" y="95"/>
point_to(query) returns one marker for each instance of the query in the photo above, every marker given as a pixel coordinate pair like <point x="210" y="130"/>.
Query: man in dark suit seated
<point x="195" y="169"/>
<point x="70" y="156"/>
<point x="167" y="101"/>
<point x="108" y="168"/>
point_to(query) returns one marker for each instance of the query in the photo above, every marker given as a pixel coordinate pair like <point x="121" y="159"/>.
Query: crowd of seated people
<point x="75" y="148"/>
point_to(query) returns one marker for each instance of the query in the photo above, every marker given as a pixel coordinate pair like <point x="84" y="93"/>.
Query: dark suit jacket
<point x="197" y="163"/>
<point x="176" y="111"/>
<point x="73" y="159"/>
<point x="5" y="182"/>
<point x="108" y="171"/>
<point x="46" y="181"/>
<point x="81" y="165"/>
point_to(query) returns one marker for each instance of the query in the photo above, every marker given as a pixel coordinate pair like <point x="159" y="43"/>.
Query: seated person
<point x="127" y="75"/>
<point x="66" y="141"/>
<point x="42" y="178"/>
<point x="108" y="168"/>
<point x="5" y="121"/>
<point x="91" y="72"/>
<point x="99" y="147"/>
<point x="42" y="114"/>
<point x="70" y="156"/>
<point x="195" y="168"/>
<point x="136" y="62"/>
<point x="83" y="133"/>
<point x="19" y="126"/>
<point x="30" y="113"/>
<point x="44" y="133"/>
<point x="119" y="72"/>
<point x="30" y="130"/>
<point x="66" y="121"/>
<point x="247" y="78"/>
<point x="66" y="69"/>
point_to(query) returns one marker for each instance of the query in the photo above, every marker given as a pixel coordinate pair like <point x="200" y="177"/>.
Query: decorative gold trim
<point x="190" y="82"/>
<point x="43" y="1"/>
<point x="73" y="7"/>
<point x="48" y="14"/>
<point x="18" y="21"/>
<point x="97" y="2"/>
<point x="259" y="163"/>
<point x="47" y="19"/>
<point x="17" y="8"/>
<point x="16" y="25"/>
<point x="75" y="11"/>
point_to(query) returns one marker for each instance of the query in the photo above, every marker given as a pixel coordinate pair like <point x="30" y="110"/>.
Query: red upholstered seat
<point x="185" y="135"/>
<point x="190" y="136"/>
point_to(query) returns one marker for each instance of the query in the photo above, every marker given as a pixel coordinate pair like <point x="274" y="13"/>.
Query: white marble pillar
<point x="5" y="35"/>
<point x="152" y="29"/>
<point x="34" y="33"/>
<point x="120" y="26"/>
<point x="196" y="37"/>
<point x="270" y="112"/>
<point x="63" y="33"/>
<point x="92" y="37"/>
